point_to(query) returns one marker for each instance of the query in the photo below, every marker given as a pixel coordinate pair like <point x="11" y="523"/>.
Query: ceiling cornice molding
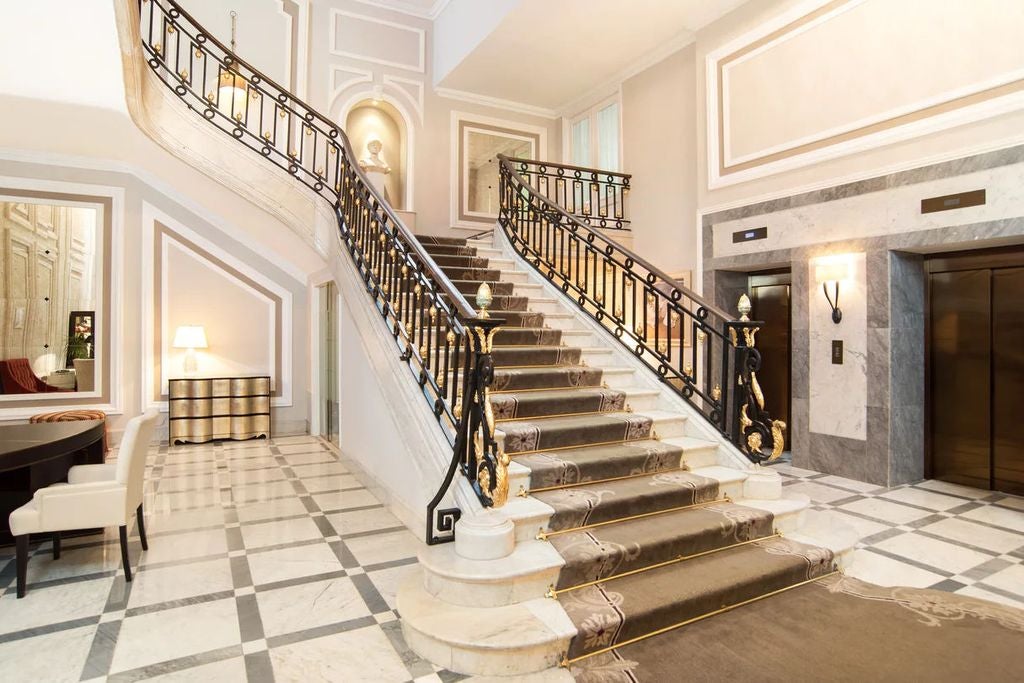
<point x="497" y="103"/>
<point x="409" y="8"/>
<point x="605" y="88"/>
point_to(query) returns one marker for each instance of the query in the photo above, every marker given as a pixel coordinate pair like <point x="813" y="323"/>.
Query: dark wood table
<point x="33" y="456"/>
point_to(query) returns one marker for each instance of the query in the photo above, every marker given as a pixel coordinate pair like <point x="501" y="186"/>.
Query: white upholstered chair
<point x="95" y="496"/>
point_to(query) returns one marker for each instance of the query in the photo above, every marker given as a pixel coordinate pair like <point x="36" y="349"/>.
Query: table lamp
<point x="190" y="337"/>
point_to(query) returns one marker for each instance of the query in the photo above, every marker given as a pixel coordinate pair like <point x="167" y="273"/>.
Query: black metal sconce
<point x="830" y="272"/>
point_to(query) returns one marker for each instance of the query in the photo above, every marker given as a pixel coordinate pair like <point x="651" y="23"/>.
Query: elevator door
<point x="769" y="297"/>
<point x="976" y="368"/>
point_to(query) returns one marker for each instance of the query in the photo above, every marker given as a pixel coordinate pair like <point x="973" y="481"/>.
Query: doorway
<point x="770" y="297"/>
<point x="329" y="407"/>
<point x="975" y="374"/>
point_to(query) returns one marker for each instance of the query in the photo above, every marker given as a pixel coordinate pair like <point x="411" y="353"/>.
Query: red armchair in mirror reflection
<point x="16" y="377"/>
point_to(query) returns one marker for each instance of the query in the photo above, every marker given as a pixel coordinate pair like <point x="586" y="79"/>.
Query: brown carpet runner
<point x="652" y="549"/>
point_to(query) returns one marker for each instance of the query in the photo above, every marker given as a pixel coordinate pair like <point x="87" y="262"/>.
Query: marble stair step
<point x="609" y="501"/>
<point x="474" y="274"/>
<point x="528" y="336"/>
<point x="640" y="604"/>
<point x="526" y="404"/>
<point x="469" y="287"/>
<point x="641" y="542"/>
<point x="446" y="241"/>
<point x="588" y="464"/>
<point x="544" y="434"/>
<point x="505" y="356"/>
<point x="523" y="575"/>
<point x="436" y="250"/>
<point x="547" y="377"/>
<point x="459" y="261"/>
<point x="508" y="640"/>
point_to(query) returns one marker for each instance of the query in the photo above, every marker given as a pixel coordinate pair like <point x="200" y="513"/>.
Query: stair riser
<point x="540" y="404"/>
<point x="436" y="250"/>
<point x="472" y="274"/>
<point x="522" y="337"/>
<point x="491" y="593"/>
<point x="485" y="662"/>
<point x="553" y="378"/>
<point x="469" y="288"/>
<point x="458" y="261"/>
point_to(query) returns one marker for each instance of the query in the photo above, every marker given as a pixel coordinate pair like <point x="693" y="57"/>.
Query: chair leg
<point x="123" y="530"/>
<point x="21" y="550"/>
<point x="56" y="545"/>
<point x="142" y="527"/>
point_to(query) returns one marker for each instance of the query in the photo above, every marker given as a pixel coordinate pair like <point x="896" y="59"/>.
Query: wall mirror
<point x="479" y="147"/>
<point x="51" y="297"/>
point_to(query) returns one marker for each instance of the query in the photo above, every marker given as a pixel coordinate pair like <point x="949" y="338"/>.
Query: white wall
<point x="833" y="77"/>
<point x="658" y="123"/>
<point x="341" y="76"/>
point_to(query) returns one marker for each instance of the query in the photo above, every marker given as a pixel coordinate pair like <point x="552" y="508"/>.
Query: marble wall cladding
<point x="865" y="419"/>
<point x="838" y="392"/>
<point x="883" y="212"/>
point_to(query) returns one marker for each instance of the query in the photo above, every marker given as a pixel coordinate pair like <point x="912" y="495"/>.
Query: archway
<point x="369" y="120"/>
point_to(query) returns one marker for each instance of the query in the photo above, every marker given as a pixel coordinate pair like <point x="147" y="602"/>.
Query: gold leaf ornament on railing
<point x="756" y="427"/>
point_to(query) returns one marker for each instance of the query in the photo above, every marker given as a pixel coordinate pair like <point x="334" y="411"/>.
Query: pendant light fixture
<point x="231" y="86"/>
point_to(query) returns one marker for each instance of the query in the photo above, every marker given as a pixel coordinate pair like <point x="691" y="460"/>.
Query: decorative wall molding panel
<point x="411" y="88"/>
<point x="854" y="44"/>
<point x="341" y="78"/>
<point x="108" y="202"/>
<point x="162" y="236"/>
<point x="371" y="39"/>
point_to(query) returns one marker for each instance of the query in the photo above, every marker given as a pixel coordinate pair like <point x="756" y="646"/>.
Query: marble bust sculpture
<point x="372" y="162"/>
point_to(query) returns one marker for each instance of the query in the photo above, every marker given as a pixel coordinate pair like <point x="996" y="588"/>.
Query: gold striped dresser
<point x="210" y="408"/>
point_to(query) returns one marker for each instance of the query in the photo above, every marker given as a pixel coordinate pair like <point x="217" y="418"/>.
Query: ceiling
<point x="550" y="54"/>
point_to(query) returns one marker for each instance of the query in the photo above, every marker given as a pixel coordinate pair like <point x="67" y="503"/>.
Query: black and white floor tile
<point x="266" y="561"/>
<point x="929" y="535"/>
<point x="270" y="562"/>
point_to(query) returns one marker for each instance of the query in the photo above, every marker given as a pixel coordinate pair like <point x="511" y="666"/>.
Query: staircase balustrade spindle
<point x="444" y="341"/>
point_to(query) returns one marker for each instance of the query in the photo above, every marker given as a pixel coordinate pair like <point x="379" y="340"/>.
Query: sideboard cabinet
<point x="210" y="408"/>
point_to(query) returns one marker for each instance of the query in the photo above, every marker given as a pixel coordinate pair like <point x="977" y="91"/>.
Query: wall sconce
<point x="830" y="272"/>
<point x="190" y="337"/>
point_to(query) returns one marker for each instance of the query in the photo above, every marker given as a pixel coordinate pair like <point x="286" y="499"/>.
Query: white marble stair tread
<point x="697" y="452"/>
<point x="825" y="529"/>
<point x="618" y="378"/>
<point x="518" y="477"/>
<point x="523" y="575"/>
<point x="521" y="638"/>
<point x="730" y="480"/>
<point x="666" y="423"/>
<point x="788" y="510"/>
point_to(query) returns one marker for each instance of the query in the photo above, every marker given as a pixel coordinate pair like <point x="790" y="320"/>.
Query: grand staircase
<point x="632" y="520"/>
<point x="590" y="431"/>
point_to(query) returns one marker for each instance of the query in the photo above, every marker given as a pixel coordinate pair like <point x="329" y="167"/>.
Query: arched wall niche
<point x="369" y="120"/>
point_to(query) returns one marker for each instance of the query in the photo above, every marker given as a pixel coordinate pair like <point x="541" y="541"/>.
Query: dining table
<point x="33" y="456"/>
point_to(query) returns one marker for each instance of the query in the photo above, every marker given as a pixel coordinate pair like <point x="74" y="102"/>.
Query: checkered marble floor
<point x="266" y="561"/>
<point x="929" y="535"/>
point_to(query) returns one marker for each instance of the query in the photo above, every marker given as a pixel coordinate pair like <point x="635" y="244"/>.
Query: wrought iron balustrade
<point x="708" y="356"/>
<point x="444" y="341"/>
<point x="594" y="197"/>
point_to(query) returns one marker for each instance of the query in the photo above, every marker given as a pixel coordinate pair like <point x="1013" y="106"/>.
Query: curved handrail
<point x="464" y="308"/>
<point x="705" y="354"/>
<point x="444" y="341"/>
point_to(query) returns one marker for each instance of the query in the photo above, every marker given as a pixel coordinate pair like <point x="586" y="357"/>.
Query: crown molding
<point x="497" y="102"/>
<point x="409" y="8"/>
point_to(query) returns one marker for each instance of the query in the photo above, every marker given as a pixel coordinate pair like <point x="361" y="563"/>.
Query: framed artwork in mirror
<point x="81" y="341"/>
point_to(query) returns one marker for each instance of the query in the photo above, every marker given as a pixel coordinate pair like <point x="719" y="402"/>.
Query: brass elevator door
<point x="976" y="373"/>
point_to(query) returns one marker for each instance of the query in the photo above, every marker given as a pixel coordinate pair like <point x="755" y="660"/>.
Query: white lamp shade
<point x="190" y="337"/>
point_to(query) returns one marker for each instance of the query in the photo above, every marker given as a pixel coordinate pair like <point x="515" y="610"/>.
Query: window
<point x="594" y="137"/>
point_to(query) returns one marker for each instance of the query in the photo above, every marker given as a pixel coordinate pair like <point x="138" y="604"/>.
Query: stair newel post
<point x="754" y="429"/>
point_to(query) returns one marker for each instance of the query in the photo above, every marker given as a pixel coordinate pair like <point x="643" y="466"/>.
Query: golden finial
<point x="484" y="299"/>
<point x="716" y="393"/>
<point x="744" y="307"/>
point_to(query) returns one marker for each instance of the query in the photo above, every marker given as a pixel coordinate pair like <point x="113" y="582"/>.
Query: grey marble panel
<point x="906" y="444"/>
<point x="907" y="359"/>
<point x="799" y="374"/>
<point x="797" y="432"/>
<point x="877" y="276"/>
<point x="949" y="169"/>
<point x="878" y="367"/>
<point x="843" y="457"/>
<point x="799" y="285"/>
